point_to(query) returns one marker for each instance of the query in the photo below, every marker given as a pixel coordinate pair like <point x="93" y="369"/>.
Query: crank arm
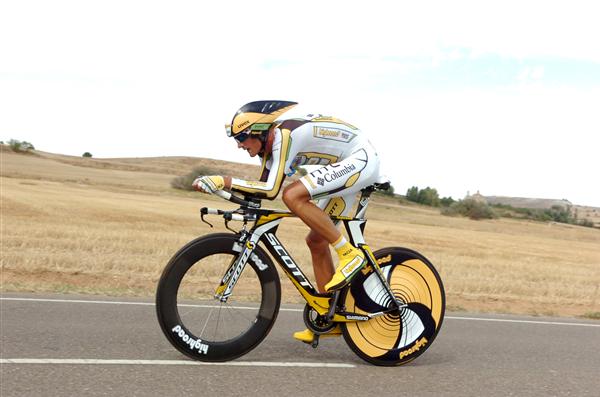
<point x="352" y="317"/>
<point x="384" y="312"/>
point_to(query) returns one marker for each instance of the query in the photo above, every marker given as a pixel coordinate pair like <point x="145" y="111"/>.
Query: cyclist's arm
<point x="269" y="188"/>
<point x="264" y="174"/>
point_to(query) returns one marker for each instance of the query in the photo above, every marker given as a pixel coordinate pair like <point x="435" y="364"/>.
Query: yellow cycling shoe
<point x="307" y="336"/>
<point x="351" y="261"/>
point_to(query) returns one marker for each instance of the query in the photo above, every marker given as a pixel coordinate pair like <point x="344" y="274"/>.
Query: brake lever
<point x="227" y="227"/>
<point x="228" y="217"/>
<point x="204" y="220"/>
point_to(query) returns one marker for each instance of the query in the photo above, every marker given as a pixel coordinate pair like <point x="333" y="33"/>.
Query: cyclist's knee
<point x="294" y="194"/>
<point x="316" y="242"/>
<point x="287" y="196"/>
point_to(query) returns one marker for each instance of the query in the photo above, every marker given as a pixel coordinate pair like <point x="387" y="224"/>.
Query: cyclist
<point x="346" y="162"/>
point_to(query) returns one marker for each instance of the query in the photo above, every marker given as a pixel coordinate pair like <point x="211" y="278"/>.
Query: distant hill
<point x="523" y="202"/>
<point x="165" y="168"/>
<point x="168" y="165"/>
<point x="581" y="211"/>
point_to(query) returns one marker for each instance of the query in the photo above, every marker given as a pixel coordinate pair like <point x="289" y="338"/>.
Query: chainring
<point x="316" y="322"/>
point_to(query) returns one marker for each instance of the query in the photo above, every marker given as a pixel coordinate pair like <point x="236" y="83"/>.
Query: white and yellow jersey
<point x="313" y="140"/>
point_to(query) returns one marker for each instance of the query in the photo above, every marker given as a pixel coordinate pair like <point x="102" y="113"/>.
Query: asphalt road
<point x="94" y="346"/>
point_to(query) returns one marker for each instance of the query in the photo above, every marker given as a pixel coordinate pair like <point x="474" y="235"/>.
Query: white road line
<point x="502" y="320"/>
<point x="507" y="320"/>
<point x="76" y="301"/>
<point x="70" y="361"/>
<point x="128" y="303"/>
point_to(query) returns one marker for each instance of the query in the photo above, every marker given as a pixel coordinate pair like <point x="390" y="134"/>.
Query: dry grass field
<point x="109" y="226"/>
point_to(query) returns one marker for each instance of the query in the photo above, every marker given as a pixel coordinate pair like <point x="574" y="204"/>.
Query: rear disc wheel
<point x="401" y="335"/>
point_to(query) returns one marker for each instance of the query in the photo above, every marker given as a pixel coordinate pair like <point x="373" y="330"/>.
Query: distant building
<point x="476" y="197"/>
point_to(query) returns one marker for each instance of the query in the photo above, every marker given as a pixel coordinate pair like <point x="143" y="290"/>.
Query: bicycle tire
<point x="398" y="337"/>
<point x="201" y="326"/>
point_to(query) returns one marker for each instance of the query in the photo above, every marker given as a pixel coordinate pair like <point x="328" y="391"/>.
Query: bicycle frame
<point x="264" y="230"/>
<point x="406" y="320"/>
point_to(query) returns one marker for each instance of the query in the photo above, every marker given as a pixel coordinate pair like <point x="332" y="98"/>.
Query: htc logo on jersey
<point x="331" y="176"/>
<point x="289" y="262"/>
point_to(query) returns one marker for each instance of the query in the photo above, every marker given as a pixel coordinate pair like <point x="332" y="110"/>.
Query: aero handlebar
<point x="235" y="199"/>
<point x="230" y="215"/>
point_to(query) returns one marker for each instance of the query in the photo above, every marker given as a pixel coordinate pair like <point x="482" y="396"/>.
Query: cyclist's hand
<point x="209" y="184"/>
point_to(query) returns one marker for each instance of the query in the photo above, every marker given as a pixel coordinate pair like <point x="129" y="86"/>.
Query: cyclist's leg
<point x="321" y="256"/>
<point x="321" y="259"/>
<point x="319" y="246"/>
<point x="345" y="178"/>
<point x="297" y="198"/>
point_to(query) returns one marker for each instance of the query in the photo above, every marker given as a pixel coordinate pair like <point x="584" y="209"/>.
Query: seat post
<point x="382" y="184"/>
<point x="363" y="203"/>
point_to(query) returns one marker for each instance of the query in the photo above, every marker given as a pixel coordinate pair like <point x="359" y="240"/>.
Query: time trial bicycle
<point x="219" y="295"/>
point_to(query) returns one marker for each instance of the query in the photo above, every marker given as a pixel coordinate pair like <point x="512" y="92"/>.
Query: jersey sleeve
<point x="274" y="176"/>
<point x="265" y="168"/>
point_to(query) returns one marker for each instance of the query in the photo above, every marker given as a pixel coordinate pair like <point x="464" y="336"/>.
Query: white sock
<point x="339" y="243"/>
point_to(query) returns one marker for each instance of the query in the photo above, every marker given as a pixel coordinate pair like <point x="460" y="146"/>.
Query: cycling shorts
<point x="336" y="185"/>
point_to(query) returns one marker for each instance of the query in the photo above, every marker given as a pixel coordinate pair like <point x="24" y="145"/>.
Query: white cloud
<point x="531" y="74"/>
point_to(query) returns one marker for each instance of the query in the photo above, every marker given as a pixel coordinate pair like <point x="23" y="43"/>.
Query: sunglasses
<point x="241" y="137"/>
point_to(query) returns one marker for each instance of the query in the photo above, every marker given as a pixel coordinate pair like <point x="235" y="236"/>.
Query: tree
<point x="87" y="154"/>
<point x="558" y="213"/>
<point x="446" y="201"/>
<point x="472" y="208"/>
<point x="184" y="182"/>
<point x="412" y="194"/>
<point x="20" y="146"/>
<point x="427" y="196"/>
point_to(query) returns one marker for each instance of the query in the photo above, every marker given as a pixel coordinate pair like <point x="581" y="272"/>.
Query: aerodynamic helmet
<point x="255" y="118"/>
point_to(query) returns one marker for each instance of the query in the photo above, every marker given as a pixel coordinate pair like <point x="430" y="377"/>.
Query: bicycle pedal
<point x="315" y="342"/>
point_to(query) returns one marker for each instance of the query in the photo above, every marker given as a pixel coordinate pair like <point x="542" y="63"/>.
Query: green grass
<point x="592" y="315"/>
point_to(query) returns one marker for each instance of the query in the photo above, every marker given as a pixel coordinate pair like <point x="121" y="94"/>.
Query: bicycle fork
<point x="235" y="269"/>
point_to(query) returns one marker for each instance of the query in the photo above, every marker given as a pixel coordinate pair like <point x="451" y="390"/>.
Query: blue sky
<point x="498" y="96"/>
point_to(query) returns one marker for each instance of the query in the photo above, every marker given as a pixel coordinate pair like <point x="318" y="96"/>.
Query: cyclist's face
<point x="252" y="145"/>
